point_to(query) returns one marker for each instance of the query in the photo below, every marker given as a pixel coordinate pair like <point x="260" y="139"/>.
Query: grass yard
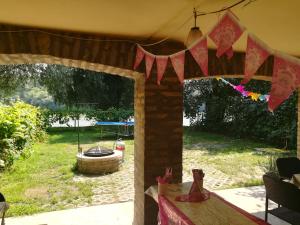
<point x="235" y="162"/>
<point x="47" y="180"/>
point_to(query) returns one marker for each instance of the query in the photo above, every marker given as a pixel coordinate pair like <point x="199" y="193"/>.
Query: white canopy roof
<point x="276" y="22"/>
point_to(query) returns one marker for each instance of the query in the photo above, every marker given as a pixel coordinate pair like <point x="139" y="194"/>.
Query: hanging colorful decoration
<point x="149" y="60"/>
<point x="256" y="53"/>
<point x="140" y="53"/>
<point x="227" y="31"/>
<point x="177" y="61"/>
<point x="286" y="69"/>
<point x="199" y="52"/>
<point x="285" y="80"/>
<point x="161" y="63"/>
<point x="241" y="89"/>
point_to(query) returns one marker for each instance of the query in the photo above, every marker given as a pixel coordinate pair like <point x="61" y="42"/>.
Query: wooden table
<point x="214" y="211"/>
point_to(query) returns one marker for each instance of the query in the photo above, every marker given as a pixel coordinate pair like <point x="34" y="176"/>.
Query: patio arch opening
<point x="158" y="108"/>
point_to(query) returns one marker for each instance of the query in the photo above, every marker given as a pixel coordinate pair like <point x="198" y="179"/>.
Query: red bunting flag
<point x="227" y="31"/>
<point x="139" y="56"/>
<point x="256" y="53"/>
<point x="161" y="64"/>
<point x="177" y="61"/>
<point x="285" y="80"/>
<point x="149" y="60"/>
<point x="200" y="53"/>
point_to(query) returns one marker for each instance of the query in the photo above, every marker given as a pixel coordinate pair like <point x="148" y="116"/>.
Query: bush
<point x="63" y="115"/>
<point x="21" y="125"/>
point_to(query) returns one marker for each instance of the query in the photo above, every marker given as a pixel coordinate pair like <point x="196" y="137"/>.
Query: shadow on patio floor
<point x="251" y="199"/>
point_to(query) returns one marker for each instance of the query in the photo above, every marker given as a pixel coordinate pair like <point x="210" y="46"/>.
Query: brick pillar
<point x="162" y="141"/>
<point x="298" y="124"/>
<point x="139" y="150"/>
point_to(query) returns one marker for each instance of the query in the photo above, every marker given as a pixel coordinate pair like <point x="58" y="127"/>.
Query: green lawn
<point x="238" y="159"/>
<point x="45" y="181"/>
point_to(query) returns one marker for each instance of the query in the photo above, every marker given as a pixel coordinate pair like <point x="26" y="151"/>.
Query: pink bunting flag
<point x="139" y="56"/>
<point x="177" y="61"/>
<point x="161" y="64"/>
<point x="149" y="60"/>
<point x="285" y="80"/>
<point x="227" y="31"/>
<point x="200" y="53"/>
<point x="256" y="53"/>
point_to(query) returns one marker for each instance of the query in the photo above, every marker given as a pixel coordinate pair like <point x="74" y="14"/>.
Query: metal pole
<point x="78" y="136"/>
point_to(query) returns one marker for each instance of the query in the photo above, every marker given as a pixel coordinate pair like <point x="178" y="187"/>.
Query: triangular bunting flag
<point x="229" y="53"/>
<point x="178" y="64"/>
<point x="256" y="53"/>
<point x="161" y="63"/>
<point x="200" y="53"/>
<point x="285" y="80"/>
<point x="149" y="59"/>
<point x="139" y="56"/>
<point x="227" y="31"/>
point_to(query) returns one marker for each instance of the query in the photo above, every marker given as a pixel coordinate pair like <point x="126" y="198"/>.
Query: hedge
<point x="63" y="115"/>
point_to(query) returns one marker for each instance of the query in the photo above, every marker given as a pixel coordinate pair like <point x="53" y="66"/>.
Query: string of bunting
<point x="286" y="69"/>
<point x="241" y="89"/>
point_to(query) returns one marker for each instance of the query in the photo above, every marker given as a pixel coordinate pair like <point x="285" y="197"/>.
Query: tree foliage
<point x="69" y="86"/>
<point x="227" y="111"/>
<point x="13" y="77"/>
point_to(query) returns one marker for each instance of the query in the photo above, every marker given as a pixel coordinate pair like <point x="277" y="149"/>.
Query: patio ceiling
<point x="273" y="21"/>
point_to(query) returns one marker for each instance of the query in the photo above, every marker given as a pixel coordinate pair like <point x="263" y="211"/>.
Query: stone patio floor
<point x="251" y="199"/>
<point x="118" y="187"/>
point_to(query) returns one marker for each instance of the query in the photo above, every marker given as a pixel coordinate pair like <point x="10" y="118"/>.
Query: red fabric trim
<point x="180" y="214"/>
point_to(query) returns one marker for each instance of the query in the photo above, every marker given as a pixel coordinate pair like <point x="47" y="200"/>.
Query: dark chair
<point x="2" y="199"/>
<point x="286" y="195"/>
<point x="288" y="166"/>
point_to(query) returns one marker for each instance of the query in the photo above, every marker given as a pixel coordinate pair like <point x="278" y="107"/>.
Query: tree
<point x="213" y="94"/>
<point x="69" y="86"/>
<point x="227" y="111"/>
<point x="13" y="77"/>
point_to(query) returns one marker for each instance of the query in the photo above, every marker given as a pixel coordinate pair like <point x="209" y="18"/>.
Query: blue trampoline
<point x="103" y="123"/>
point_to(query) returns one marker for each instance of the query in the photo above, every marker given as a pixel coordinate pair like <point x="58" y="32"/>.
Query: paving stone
<point x="118" y="186"/>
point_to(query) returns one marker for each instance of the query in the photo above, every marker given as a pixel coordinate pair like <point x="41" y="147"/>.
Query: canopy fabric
<point x="273" y="21"/>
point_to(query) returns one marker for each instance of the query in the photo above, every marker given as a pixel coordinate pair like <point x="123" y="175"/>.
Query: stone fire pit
<point x="99" y="160"/>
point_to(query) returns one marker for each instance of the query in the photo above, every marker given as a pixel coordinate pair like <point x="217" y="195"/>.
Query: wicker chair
<point x="288" y="166"/>
<point x="286" y="195"/>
